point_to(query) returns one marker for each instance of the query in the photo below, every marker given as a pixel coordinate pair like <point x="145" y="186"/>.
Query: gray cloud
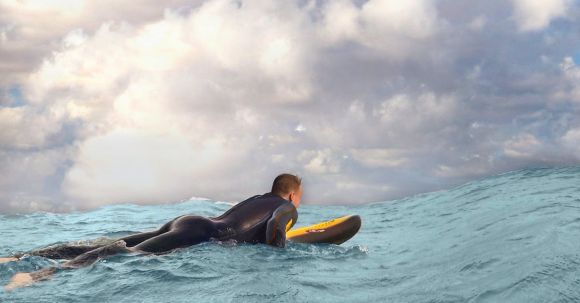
<point x="368" y="100"/>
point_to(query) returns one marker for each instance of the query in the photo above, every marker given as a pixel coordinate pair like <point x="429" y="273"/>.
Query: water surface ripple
<point x="508" y="238"/>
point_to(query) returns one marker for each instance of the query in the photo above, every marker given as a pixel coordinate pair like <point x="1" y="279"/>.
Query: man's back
<point x="248" y="220"/>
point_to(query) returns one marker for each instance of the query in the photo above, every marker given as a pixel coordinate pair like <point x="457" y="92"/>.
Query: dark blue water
<point x="509" y="238"/>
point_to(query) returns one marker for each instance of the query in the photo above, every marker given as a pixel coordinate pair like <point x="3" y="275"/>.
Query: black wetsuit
<point x="259" y="219"/>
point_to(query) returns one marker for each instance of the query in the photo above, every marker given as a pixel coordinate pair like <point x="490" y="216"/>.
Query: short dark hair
<point x="285" y="183"/>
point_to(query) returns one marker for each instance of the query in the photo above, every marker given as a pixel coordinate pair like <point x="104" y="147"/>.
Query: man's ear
<point x="291" y="196"/>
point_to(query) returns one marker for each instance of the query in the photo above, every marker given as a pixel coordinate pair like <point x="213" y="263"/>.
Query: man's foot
<point x="6" y="260"/>
<point x="20" y="279"/>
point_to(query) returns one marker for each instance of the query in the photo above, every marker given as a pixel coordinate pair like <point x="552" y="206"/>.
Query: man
<point x="259" y="219"/>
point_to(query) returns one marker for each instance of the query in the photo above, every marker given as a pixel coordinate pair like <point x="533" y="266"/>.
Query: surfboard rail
<point x="335" y="231"/>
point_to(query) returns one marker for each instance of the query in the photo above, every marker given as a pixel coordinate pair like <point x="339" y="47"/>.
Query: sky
<point x="148" y="101"/>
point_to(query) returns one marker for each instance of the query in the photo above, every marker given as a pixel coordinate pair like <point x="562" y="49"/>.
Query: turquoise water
<point x="509" y="238"/>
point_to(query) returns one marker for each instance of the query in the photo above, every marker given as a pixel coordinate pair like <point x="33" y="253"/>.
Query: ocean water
<point x="509" y="238"/>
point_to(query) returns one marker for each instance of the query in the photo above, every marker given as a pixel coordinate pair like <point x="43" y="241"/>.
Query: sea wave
<point x="507" y="238"/>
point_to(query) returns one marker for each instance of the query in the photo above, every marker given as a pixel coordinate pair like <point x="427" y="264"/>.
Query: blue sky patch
<point x="576" y="58"/>
<point x="16" y="97"/>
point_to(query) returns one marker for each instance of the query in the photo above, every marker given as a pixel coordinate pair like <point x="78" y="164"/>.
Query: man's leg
<point x="9" y="259"/>
<point x="90" y="257"/>
<point x="24" y="279"/>
<point x="136" y="239"/>
<point x="57" y="252"/>
<point x="86" y="258"/>
<point x="65" y="251"/>
<point x="70" y="251"/>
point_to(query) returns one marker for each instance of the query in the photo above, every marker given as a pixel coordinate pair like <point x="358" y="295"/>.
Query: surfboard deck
<point x="335" y="231"/>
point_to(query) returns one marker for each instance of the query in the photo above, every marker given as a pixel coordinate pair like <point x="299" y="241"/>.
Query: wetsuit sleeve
<point x="282" y="220"/>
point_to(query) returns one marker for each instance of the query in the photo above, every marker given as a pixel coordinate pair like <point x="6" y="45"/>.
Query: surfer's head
<point x="288" y="187"/>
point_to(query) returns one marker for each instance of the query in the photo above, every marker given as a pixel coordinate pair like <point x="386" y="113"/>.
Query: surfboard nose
<point x="351" y="227"/>
<point x="357" y="222"/>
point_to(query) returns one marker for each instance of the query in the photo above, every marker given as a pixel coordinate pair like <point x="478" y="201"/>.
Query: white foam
<point x="199" y="198"/>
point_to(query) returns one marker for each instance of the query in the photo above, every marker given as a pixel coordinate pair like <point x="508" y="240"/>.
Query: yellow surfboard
<point x="335" y="231"/>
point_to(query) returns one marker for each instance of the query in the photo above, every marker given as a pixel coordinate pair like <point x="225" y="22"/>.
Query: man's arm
<point x="282" y="220"/>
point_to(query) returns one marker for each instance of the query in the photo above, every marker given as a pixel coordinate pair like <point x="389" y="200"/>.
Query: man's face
<point x="296" y="197"/>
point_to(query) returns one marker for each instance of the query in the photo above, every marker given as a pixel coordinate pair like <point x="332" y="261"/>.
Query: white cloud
<point x="26" y="128"/>
<point x="478" y="23"/>
<point x="403" y="114"/>
<point x="162" y="100"/>
<point x="300" y="128"/>
<point x="522" y="146"/>
<point x="156" y="106"/>
<point x="571" y="140"/>
<point x="357" y="111"/>
<point x="33" y="28"/>
<point x="570" y="88"/>
<point x="377" y="157"/>
<point x="322" y="162"/>
<point x="27" y="179"/>
<point x="127" y="165"/>
<point x="533" y="15"/>
<point x="166" y="101"/>
<point x="394" y="29"/>
<point x="467" y="169"/>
